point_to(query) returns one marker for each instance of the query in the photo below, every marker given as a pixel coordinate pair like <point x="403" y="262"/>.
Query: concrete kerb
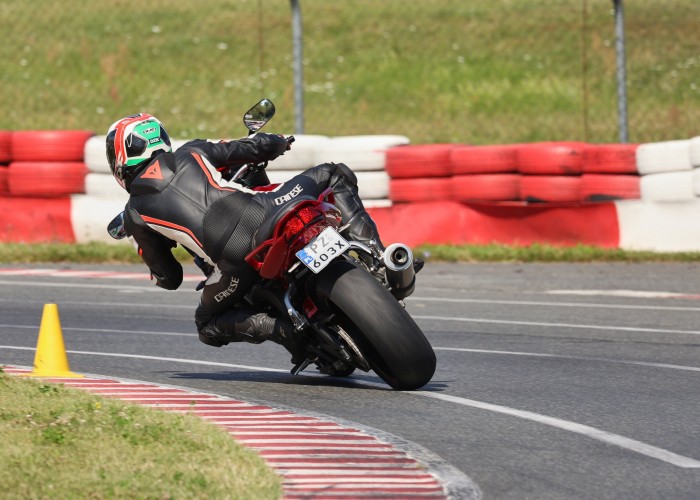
<point x="415" y="461"/>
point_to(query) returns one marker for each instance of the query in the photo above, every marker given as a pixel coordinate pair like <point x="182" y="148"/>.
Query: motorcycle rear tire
<point x="392" y="342"/>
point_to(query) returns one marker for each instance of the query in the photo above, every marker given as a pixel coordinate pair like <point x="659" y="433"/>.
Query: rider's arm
<point x="255" y="149"/>
<point x="155" y="250"/>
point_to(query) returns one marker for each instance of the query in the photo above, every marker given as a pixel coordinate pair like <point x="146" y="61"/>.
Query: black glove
<point x="271" y="145"/>
<point x="206" y="268"/>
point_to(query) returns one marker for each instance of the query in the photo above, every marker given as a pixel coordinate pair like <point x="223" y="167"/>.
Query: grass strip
<point x="59" y="442"/>
<point x="103" y="253"/>
<point x="546" y="253"/>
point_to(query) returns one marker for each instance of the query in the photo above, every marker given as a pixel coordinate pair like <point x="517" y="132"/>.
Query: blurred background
<point x="473" y="72"/>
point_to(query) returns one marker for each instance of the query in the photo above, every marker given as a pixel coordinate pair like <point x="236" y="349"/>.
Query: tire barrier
<point x="89" y="216"/>
<point x="36" y="220"/>
<point x="95" y="156"/>
<point x="550" y="158"/>
<point x="485" y="187"/>
<point x="372" y="185"/>
<point x="603" y="187"/>
<point x="696" y="182"/>
<point x="659" y="157"/>
<point x="659" y="227"/>
<point x="58" y="188"/>
<point x="483" y="159"/>
<point x="451" y="222"/>
<point x="419" y="190"/>
<point x="422" y="160"/>
<point x="46" y="179"/>
<point x="49" y="145"/>
<point x="667" y="187"/>
<point x="550" y="188"/>
<point x="610" y="159"/>
<point x="694" y="152"/>
<point x="104" y="186"/>
<point x="5" y="146"/>
<point x="361" y="153"/>
<point x="303" y="153"/>
<point x="4" y="189"/>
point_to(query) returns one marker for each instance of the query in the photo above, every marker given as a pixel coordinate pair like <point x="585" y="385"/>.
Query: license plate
<point x="323" y="249"/>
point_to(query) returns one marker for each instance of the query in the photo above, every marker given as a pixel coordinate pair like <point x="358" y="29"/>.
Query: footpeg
<point x="300" y="367"/>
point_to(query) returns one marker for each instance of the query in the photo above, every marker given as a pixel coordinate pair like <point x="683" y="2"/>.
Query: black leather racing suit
<point x="181" y="197"/>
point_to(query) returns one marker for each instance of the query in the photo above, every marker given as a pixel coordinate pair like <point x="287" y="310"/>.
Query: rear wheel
<point x="394" y="345"/>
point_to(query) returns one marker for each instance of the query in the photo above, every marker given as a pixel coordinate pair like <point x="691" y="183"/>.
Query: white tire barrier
<point x="372" y="185"/>
<point x="659" y="227"/>
<point x="696" y="182"/>
<point x="90" y="216"/>
<point x="302" y="155"/>
<point x="658" y="157"/>
<point x="104" y="186"/>
<point x="360" y="153"/>
<point x="667" y="187"/>
<point x="694" y="152"/>
<point x="95" y="155"/>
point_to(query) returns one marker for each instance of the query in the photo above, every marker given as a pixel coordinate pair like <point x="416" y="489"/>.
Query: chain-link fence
<point x="478" y="71"/>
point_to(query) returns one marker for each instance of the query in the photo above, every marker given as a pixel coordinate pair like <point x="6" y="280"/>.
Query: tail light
<point x="300" y="220"/>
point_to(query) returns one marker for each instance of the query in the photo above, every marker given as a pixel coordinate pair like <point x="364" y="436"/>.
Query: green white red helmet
<point x="132" y="141"/>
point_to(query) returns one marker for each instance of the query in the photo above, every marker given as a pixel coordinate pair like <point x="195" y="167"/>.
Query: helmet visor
<point x="135" y="146"/>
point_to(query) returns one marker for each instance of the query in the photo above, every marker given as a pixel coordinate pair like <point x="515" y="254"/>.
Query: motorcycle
<point x="344" y="297"/>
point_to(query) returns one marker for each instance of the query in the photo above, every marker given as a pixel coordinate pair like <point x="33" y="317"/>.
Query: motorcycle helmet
<point x="132" y="141"/>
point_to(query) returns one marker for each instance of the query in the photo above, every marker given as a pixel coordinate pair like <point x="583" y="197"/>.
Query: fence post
<point x="297" y="36"/>
<point x="621" y="70"/>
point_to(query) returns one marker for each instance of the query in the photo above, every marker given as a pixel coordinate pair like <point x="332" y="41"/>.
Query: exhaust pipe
<point x="398" y="259"/>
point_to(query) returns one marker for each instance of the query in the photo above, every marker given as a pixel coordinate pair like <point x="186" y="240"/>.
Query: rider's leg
<point x="219" y="322"/>
<point x="342" y="179"/>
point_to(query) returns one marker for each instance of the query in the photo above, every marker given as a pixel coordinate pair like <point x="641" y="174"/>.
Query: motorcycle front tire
<point x="392" y="342"/>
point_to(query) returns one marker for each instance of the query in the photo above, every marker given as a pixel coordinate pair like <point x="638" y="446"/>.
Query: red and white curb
<point x="318" y="458"/>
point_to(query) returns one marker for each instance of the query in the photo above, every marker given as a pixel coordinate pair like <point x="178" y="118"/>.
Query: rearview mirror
<point x="259" y="115"/>
<point x="116" y="227"/>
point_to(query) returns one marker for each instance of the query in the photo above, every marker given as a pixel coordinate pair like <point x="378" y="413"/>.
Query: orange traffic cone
<point x="50" y="359"/>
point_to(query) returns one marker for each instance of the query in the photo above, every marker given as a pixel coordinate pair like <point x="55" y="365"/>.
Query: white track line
<point x="584" y="305"/>
<point x="581" y="358"/>
<point x="556" y="325"/>
<point x="587" y="431"/>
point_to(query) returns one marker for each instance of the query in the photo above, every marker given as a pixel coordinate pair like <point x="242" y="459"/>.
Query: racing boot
<point x="241" y="325"/>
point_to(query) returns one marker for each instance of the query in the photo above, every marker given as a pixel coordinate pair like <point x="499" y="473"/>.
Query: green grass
<point x="482" y="71"/>
<point x="547" y="253"/>
<point x="95" y="253"/>
<point x="65" y="443"/>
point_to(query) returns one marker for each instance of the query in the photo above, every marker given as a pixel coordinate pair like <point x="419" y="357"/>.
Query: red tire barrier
<point x="601" y="187"/>
<point x="5" y="146"/>
<point x="46" y="179"/>
<point x="483" y="159"/>
<point x="427" y="189"/>
<point x="49" y="145"/>
<point x="550" y="188"/>
<point x="486" y="187"/>
<point x="32" y="220"/>
<point x="550" y="158"/>
<point x="3" y="180"/>
<point x="451" y="222"/>
<point x="610" y="158"/>
<point x="417" y="161"/>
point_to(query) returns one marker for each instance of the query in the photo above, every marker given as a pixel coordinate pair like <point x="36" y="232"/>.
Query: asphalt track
<point x="553" y="380"/>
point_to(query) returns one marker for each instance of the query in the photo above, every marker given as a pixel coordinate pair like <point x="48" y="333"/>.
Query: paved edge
<point x="414" y="473"/>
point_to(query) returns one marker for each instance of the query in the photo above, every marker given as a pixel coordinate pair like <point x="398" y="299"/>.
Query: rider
<point x="182" y="197"/>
